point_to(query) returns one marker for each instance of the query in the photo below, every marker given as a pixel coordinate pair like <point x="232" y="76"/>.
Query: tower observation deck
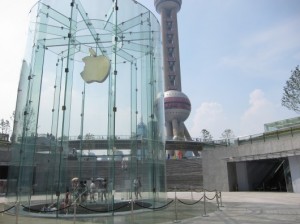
<point x="177" y="104"/>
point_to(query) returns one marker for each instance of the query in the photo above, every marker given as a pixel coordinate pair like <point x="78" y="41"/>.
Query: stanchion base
<point x="176" y="221"/>
<point x="205" y="215"/>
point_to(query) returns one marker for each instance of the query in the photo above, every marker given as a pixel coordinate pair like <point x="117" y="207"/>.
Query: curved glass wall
<point x="90" y="103"/>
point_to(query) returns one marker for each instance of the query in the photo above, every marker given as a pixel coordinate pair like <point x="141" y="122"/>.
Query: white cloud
<point x="210" y="116"/>
<point x="260" y="111"/>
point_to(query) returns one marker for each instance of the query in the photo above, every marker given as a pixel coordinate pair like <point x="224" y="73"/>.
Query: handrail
<point x="231" y="141"/>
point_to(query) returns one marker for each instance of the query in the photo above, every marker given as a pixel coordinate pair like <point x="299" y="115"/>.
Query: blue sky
<point x="236" y="56"/>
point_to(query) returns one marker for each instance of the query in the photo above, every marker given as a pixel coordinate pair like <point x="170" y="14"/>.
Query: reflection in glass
<point x="90" y="104"/>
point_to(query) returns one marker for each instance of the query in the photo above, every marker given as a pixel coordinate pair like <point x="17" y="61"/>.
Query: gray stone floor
<point x="239" y="207"/>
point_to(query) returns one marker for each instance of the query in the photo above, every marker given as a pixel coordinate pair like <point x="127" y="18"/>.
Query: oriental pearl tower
<point x="177" y="104"/>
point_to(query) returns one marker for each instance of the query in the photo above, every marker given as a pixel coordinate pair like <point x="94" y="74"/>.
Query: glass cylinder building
<point x="90" y="105"/>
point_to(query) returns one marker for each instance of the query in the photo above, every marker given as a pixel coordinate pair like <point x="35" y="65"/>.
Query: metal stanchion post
<point x="57" y="202"/>
<point x="113" y="201"/>
<point x="132" y="218"/>
<point x="221" y="199"/>
<point x="17" y="211"/>
<point x="204" y="204"/>
<point x="191" y="193"/>
<point x="75" y="206"/>
<point x="217" y="200"/>
<point x="175" y="206"/>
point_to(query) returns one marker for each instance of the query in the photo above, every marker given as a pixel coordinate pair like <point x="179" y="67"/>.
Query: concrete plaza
<point x="238" y="207"/>
<point x="254" y="208"/>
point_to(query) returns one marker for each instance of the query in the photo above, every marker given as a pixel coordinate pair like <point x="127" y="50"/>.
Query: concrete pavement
<point x="239" y="207"/>
<point x="254" y="208"/>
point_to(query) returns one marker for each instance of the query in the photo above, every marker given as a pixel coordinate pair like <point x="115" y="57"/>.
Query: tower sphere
<point x="177" y="105"/>
<point x="167" y="4"/>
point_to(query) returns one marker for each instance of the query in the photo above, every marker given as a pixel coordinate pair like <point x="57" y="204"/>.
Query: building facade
<point x="262" y="162"/>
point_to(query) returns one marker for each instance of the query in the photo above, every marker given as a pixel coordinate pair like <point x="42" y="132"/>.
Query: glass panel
<point x="71" y="132"/>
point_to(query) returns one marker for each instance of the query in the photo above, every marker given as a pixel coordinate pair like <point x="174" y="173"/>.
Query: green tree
<point x="12" y="118"/>
<point x="227" y="135"/>
<point x="4" y="126"/>
<point x="206" y="136"/>
<point x="89" y="136"/>
<point x="291" y="91"/>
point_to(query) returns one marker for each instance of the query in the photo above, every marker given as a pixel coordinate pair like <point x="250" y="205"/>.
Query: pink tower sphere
<point x="177" y="105"/>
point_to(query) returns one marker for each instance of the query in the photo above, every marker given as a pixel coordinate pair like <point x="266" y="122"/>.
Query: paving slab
<point x="238" y="207"/>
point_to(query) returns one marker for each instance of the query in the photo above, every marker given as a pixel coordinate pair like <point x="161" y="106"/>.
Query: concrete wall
<point x="242" y="176"/>
<point x="5" y="157"/>
<point x="232" y="178"/>
<point x="294" y="162"/>
<point x="215" y="171"/>
<point x="4" y="146"/>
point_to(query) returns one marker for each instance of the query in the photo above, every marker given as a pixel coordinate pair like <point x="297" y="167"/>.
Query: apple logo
<point x="96" y="68"/>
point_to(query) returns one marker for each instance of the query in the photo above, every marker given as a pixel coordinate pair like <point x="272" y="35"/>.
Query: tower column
<point x="169" y="130"/>
<point x="175" y="128"/>
<point x="177" y="104"/>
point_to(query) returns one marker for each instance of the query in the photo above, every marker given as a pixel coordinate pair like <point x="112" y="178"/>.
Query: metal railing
<point x="266" y="136"/>
<point x="202" y="198"/>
